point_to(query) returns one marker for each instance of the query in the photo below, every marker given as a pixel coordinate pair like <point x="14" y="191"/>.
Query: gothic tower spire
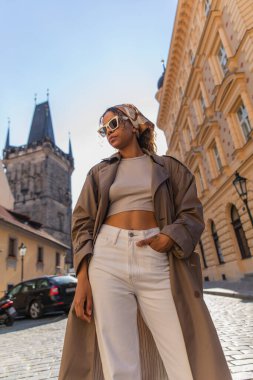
<point x="7" y="143"/>
<point x="42" y="127"/>
<point x="70" y="149"/>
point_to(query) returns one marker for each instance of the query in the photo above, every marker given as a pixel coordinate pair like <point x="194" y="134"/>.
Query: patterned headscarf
<point x="139" y="121"/>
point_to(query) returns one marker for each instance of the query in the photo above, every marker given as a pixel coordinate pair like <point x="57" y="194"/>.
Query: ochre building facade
<point x="44" y="254"/>
<point x="206" y="113"/>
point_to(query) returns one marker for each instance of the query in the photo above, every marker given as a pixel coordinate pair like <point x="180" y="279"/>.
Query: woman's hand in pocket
<point x="159" y="242"/>
<point x="83" y="296"/>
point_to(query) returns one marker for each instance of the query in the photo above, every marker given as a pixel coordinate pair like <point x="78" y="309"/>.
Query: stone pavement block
<point x="242" y="368"/>
<point x="242" y="362"/>
<point x="229" y="358"/>
<point x="230" y="352"/>
<point x="243" y="356"/>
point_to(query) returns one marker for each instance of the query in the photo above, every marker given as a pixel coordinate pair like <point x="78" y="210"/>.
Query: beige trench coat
<point x="179" y="214"/>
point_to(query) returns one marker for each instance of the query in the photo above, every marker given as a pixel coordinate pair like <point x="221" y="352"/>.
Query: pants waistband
<point x="121" y="232"/>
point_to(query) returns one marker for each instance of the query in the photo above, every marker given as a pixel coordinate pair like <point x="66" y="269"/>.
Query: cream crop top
<point x="131" y="189"/>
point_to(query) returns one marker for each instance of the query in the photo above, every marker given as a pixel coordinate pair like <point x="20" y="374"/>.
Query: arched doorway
<point x="202" y="253"/>
<point x="217" y="243"/>
<point x="239" y="233"/>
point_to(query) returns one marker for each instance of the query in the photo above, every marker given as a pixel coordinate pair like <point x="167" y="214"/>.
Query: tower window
<point x="60" y="220"/>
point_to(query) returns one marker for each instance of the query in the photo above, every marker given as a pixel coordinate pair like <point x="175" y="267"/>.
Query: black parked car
<point x="43" y="294"/>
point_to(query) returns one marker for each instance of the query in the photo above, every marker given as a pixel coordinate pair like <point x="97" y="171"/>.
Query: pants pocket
<point x="101" y="242"/>
<point x="154" y="252"/>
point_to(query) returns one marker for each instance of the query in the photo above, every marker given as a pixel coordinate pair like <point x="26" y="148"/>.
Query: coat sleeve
<point x="189" y="221"/>
<point x="83" y="220"/>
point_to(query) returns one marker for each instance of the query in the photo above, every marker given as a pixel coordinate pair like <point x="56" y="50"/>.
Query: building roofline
<point x="29" y="229"/>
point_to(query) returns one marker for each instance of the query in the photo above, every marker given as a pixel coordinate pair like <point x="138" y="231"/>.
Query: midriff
<point x="132" y="220"/>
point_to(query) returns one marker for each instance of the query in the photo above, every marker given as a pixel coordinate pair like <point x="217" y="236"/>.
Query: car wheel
<point x="35" y="310"/>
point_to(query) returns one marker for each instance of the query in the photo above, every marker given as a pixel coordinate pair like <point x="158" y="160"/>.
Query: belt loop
<point x="116" y="236"/>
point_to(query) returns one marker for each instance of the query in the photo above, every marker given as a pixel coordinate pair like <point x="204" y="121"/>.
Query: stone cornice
<point x="182" y="22"/>
<point x="173" y="62"/>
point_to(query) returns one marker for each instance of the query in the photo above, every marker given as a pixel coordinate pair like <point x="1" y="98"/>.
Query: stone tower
<point x="39" y="174"/>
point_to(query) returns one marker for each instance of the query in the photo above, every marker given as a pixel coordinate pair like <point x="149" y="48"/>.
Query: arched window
<point x="202" y="254"/>
<point x="217" y="244"/>
<point x="239" y="233"/>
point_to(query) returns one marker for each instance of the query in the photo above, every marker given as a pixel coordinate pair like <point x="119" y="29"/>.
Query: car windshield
<point x="65" y="279"/>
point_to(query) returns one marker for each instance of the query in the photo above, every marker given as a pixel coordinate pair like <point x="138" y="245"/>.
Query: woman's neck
<point x="131" y="151"/>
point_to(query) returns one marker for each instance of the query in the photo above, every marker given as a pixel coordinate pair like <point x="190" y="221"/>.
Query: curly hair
<point x="146" y="140"/>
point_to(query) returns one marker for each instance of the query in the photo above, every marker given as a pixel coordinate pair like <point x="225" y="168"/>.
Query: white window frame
<point x="217" y="157"/>
<point x="191" y="57"/>
<point x="222" y="58"/>
<point x="200" y="179"/>
<point x="207" y="6"/>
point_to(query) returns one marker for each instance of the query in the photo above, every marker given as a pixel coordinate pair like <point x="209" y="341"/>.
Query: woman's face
<point x="122" y="136"/>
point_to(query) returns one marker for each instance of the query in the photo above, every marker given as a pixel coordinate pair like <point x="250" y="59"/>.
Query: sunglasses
<point x="112" y="125"/>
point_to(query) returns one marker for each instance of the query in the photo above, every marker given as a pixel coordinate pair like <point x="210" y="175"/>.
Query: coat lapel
<point x="106" y="178"/>
<point x="159" y="174"/>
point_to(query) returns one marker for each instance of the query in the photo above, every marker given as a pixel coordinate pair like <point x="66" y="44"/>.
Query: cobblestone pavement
<point x="34" y="353"/>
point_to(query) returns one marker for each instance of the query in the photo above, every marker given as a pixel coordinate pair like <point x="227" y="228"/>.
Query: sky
<point x="90" y="55"/>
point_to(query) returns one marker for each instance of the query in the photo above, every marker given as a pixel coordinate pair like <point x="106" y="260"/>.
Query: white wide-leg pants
<point x="123" y="276"/>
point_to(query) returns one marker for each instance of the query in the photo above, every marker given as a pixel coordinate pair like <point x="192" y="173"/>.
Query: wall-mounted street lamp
<point x="22" y="251"/>
<point x="240" y="184"/>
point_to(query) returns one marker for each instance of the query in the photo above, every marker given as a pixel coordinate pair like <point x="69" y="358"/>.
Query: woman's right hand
<point x="83" y="298"/>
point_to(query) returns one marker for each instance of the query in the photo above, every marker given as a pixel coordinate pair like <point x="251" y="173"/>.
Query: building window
<point x="57" y="259"/>
<point x="12" y="250"/>
<point x="40" y="255"/>
<point x="199" y="179"/>
<point x="188" y="133"/>
<point x="191" y="57"/>
<point x="217" y="157"/>
<point x="243" y="118"/>
<point x="239" y="233"/>
<point x="202" y="103"/>
<point x="217" y="244"/>
<point x="207" y="6"/>
<point x="60" y="220"/>
<point x="180" y="92"/>
<point x="202" y="254"/>
<point x="223" y="58"/>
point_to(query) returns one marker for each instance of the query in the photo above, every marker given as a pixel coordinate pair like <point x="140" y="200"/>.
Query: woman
<point x="138" y="310"/>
